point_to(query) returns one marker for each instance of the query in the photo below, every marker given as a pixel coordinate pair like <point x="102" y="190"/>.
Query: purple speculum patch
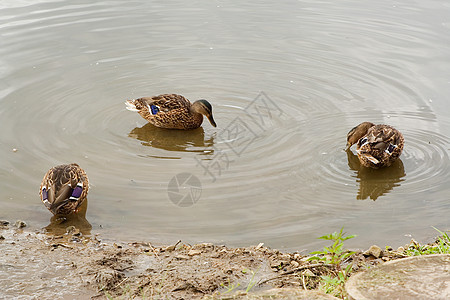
<point x="77" y="192"/>
<point x="44" y="194"/>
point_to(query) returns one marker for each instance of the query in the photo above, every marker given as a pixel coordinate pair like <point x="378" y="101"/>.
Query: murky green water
<point x="286" y="80"/>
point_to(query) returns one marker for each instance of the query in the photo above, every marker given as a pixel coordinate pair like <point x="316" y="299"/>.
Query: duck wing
<point x="63" y="184"/>
<point x="164" y="103"/>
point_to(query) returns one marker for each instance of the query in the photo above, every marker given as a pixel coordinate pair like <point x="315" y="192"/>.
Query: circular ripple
<point x="423" y="166"/>
<point x="64" y="103"/>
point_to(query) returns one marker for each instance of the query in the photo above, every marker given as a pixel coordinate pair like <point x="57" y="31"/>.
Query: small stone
<point x="20" y="224"/>
<point x="375" y="251"/>
<point x="400" y="249"/>
<point x="194" y="252"/>
<point x="2" y="237"/>
<point x="172" y="247"/>
<point x="70" y="229"/>
<point x="285" y="256"/>
<point x="14" y="149"/>
<point x="297" y="256"/>
<point x="308" y="273"/>
<point x="279" y="264"/>
<point x="4" y="223"/>
<point x="295" y="264"/>
<point x="181" y="256"/>
<point x="169" y="248"/>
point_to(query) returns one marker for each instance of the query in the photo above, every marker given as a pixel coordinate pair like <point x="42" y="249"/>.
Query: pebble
<point x="70" y="229"/>
<point x="170" y="248"/>
<point x="295" y="264"/>
<point x="194" y="252"/>
<point x="2" y="237"/>
<point x="285" y="256"/>
<point x="375" y="251"/>
<point x="73" y="230"/>
<point x="308" y="272"/>
<point x="181" y="256"/>
<point x="400" y="249"/>
<point x="20" y="224"/>
<point x="4" y="223"/>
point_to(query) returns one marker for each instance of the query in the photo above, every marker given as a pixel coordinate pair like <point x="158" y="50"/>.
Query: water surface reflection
<point x="59" y="225"/>
<point x="374" y="183"/>
<point x="172" y="140"/>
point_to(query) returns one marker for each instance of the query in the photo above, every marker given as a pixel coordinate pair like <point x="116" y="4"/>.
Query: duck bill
<point x="348" y="146"/>
<point x="211" y="120"/>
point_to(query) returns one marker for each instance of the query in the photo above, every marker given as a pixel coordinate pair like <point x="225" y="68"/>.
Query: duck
<point x="172" y="111"/>
<point x="377" y="146"/>
<point x="64" y="189"/>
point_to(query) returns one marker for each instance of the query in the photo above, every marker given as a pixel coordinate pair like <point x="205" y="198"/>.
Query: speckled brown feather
<point x="175" y="111"/>
<point x="59" y="182"/>
<point x="377" y="146"/>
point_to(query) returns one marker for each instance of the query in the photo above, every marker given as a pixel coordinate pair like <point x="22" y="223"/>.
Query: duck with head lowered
<point x="377" y="146"/>
<point x="64" y="189"/>
<point x="172" y="111"/>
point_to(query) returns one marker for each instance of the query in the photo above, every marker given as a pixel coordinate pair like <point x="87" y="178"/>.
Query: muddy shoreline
<point x="71" y="265"/>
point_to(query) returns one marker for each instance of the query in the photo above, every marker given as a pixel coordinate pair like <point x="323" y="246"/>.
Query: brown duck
<point x="377" y="146"/>
<point x="172" y="111"/>
<point x="64" y="188"/>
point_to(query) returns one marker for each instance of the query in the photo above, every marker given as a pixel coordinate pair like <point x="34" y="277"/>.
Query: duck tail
<point x="131" y="105"/>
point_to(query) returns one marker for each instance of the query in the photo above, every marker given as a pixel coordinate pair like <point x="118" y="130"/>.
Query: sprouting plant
<point x="334" y="255"/>
<point x="252" y="281"/>
<point x="442" y="246"/>
<point x="229" y="287"/>
<point x="443" y="243"/>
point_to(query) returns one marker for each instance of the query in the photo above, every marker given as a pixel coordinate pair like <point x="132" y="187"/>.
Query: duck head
<point x="204" y="107"/>
<point x="357" y="132"/>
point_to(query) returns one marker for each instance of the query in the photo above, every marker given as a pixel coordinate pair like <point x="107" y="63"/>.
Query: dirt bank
<point x="74" y="266"/>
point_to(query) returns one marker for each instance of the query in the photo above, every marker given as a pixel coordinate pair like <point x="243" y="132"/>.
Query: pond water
<point x="286" y="81"/>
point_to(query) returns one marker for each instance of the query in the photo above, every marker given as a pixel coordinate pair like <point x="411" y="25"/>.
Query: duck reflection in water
<point x="374" y="183"/>
<point x="60" y="225"/>
<point x="172" y="140"/>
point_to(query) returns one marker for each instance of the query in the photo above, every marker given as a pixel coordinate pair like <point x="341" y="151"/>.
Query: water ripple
<point x="326" y="68"/>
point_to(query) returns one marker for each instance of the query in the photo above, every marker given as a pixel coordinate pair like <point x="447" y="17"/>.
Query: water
<point x="277" y="176"/>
